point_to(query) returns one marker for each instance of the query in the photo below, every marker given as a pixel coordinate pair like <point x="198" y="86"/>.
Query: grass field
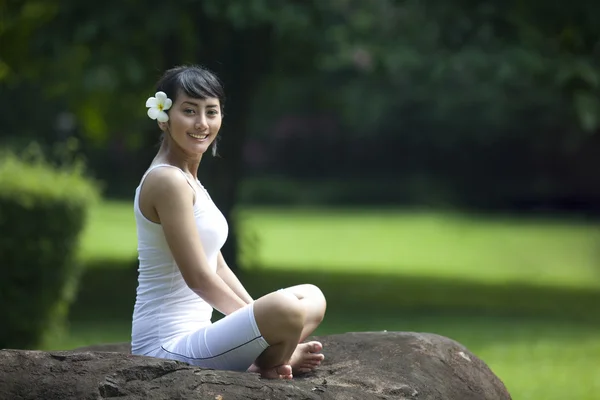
<point x="430" y="244"/>
<point x="524" y="295"/>
<point x="423" y="243"/>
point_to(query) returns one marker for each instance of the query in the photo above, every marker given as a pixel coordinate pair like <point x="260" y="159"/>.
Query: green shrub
<point x="43" y="209"/>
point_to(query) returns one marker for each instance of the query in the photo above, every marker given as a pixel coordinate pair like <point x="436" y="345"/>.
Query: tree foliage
<point x="101" y="58"/>
<point x="445" y="73"/>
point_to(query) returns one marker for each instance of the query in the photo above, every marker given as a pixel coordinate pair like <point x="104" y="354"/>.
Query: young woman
<point x="182" y="274"/>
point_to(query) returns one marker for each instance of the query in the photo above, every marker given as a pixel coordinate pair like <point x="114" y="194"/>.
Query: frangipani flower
<point x="158" y="105"/>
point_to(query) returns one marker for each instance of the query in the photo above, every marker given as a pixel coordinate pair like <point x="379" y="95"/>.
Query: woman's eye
<point x="212" y="112"/>
<point x="188" y="111"/>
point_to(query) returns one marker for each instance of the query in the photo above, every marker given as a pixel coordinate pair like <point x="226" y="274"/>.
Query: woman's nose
<point x="201" y="123"/>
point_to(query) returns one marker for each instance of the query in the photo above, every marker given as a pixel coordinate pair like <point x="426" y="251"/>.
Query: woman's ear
<point x="162" y="126"/>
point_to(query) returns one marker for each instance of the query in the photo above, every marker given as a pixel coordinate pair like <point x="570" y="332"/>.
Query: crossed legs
<point x="286" y="318"/>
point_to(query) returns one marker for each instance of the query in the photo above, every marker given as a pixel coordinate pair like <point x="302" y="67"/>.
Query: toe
<point x="315" y="347"/>
<point x="284" y="370"/>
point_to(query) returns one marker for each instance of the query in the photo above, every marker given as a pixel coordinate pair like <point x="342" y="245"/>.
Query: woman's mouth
<point x="199" y="137"/>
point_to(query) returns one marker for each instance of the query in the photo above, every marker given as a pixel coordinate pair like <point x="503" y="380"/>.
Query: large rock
<point x="374" y="365"/>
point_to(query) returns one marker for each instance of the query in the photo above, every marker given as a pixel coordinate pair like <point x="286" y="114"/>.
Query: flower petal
<point x="168" y="104"/>
<point x="153" y="112"/>
<point x="162" y="116"/>
<point x="161" y="97"/>
<point x="151" y="102"/>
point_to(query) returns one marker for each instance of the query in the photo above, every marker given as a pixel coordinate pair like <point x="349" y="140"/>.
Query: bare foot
<point x="283" y="371"/>
<point x="306" y="357"/>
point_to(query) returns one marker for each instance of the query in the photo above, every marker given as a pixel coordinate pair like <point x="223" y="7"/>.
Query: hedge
<point x="43" y="209"/>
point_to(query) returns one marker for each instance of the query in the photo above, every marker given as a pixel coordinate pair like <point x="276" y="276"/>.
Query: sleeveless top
<point x="165" y="307"/>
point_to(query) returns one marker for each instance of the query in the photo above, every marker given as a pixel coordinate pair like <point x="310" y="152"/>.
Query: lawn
<point x="110" y="233"/>
<point x="488" y="249"/>
<point x="523" y="295"/>
<point x="482" y="249"/>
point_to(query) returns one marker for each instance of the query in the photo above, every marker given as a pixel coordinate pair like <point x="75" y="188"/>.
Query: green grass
<point x="523" y="295"/>
<point x="430" y="244"/>
<point x="536" y="359"/>
<point x="110" y="233"/>
<point x="483" y="249"/>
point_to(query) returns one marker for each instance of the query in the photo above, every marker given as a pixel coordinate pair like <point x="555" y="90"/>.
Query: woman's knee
<point x="317" y="294"/>
<point x="279" y="315"/>
<point x="316" y="298"/>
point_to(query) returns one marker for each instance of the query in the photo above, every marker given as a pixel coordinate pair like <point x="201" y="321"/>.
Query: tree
<point x="101" y="59"/>
<point x="98" y="61"/>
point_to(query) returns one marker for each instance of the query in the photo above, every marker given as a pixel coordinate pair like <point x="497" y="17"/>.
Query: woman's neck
<point x="172" y="154"/>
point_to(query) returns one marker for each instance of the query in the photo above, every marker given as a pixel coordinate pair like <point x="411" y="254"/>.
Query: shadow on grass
<point x="107" y="292"/>
<point x="351" y="293"/>
<point x="474" y="314"/>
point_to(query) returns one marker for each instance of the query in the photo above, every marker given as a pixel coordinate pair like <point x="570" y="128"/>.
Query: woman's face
<point x="194" y="123"/>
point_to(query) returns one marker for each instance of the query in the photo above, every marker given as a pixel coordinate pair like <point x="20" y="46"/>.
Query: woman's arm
<point x="172" y="198"/>
<point x="232" y="280"/>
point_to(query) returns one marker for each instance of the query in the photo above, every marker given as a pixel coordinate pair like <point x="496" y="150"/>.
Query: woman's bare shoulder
<point x="165" y="182"/>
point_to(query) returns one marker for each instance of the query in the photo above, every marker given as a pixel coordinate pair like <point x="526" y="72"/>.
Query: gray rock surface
<point x="368" y="365"/>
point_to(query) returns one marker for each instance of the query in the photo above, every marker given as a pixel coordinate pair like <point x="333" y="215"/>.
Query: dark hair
<point x="195" y="81"/>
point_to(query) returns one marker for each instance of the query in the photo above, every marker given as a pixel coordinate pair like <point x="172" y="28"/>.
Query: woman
<point x="182" y="274"/>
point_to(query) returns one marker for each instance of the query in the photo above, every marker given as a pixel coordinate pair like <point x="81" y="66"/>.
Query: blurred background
<point x="432" y="166"/>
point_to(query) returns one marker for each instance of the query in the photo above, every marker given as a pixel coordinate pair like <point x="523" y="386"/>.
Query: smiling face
<point x="193" y="123"/>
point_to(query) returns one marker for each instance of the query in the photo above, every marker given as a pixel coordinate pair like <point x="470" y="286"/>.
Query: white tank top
<point x="165" y="307"/>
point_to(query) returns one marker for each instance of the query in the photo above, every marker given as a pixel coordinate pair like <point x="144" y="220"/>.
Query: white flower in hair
<point x="158" y="105"/>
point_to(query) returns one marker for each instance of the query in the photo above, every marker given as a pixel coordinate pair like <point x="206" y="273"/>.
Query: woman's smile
<point x="200" y="137"/>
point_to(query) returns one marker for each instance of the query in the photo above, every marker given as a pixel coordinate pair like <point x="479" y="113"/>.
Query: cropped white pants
<point x="232" y="343"/>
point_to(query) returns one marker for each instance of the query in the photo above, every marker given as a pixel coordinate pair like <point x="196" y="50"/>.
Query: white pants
<point x="232" y="343"/>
